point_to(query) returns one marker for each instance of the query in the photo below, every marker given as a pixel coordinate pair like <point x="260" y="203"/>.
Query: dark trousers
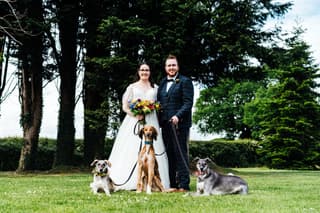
<point x="178" y="156"/>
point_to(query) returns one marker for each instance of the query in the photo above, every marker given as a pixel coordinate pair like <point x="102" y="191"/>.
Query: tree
<point x="95" y="127"/>
<point x="105" y="66"/>
<point x="205" y="35"/>
<point x="236" y="39"/>
<point x="68" y="18"/>
<point x="219" y="108"/>
<point x="5" y="44"/>
<point x="10" y="28"/>
<point x="286" y="115"/>
<point x="31" y="82"/>
<point x="10" y="21"/>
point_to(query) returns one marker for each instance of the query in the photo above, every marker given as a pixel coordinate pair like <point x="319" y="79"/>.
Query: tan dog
<point x="148" y="172"/>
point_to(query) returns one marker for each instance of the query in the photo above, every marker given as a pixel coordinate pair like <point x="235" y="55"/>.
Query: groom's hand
<point x="174" y="120"/>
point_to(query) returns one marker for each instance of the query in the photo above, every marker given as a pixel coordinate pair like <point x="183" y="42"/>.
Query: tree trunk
<point x="4" y="45"/>
<point x="31" y="89"/>
<point x="93" y="144"/>
<point x="94" y="138"/>
<point x="68" y="15"/>
<point x="2" y="72"/>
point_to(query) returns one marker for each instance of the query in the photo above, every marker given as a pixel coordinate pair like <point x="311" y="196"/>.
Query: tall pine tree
<point x="287" y="114"/>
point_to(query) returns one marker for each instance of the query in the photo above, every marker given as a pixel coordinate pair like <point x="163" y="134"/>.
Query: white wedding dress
<point x="125" y="150"/>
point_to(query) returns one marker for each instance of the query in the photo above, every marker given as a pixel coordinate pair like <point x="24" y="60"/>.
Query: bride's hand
<point x="140" y="117"/>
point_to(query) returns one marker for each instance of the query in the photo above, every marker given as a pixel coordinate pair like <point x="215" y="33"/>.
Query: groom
<point x="175" y="94"/>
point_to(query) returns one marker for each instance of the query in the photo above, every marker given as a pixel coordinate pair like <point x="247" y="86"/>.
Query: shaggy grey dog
<point x="210" y="182"/>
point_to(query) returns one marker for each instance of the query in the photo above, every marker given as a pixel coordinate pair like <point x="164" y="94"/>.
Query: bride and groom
<point x="175" y="94"/>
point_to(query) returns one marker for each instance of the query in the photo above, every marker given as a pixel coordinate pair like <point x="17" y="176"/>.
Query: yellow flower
<point x="143" y="107"/>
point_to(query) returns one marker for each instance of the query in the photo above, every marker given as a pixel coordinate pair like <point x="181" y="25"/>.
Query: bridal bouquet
<point x="143" y="107"/>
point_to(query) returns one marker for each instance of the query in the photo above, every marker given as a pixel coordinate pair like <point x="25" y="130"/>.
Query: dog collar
<point x="100" y="174"/>
<point x="148" y="142"/>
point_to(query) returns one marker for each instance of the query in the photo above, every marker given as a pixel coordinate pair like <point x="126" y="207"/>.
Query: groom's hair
<point x="171" y="56"/>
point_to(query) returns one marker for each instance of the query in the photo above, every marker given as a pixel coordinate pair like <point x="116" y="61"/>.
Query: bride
<point x="124" y="154"/>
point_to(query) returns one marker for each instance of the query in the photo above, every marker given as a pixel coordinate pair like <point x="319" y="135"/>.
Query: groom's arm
<point x="187" y="98"/>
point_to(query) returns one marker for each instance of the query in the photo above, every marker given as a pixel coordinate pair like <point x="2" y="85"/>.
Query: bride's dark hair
<point x="137" y="77"/>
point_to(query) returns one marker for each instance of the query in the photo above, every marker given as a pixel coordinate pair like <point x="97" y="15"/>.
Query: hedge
<point x="226" y="153"/>
<point x="239" y="153"/>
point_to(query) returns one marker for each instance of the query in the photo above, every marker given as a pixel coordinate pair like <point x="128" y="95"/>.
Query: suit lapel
<point x="174" y="84"/>
<point x="163" y="86"/>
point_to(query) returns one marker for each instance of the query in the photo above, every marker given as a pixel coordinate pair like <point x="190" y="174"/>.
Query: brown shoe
<point x="182" y="190"/>
<point x="171" y="190"/>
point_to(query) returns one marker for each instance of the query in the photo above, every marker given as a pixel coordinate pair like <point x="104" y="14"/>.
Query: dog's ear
<point x="196" y="159"/>
<point x="108" y="163"/>
<point x="141" y="133"/>
<point x="94" y="162"/>
<point x="154" y="133"/>
<point x="208" y="159"/>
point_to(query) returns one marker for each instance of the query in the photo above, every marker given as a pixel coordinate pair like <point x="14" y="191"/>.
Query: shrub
<point x="10" y="149"/>
<point x="226" y="153"/>
<point x="10" y="153"/>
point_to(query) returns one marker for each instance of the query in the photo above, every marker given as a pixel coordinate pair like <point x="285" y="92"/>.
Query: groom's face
<point x="171" y="67"/>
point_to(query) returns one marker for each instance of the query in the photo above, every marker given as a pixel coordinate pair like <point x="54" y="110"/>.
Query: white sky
<point x="304" y="12"/>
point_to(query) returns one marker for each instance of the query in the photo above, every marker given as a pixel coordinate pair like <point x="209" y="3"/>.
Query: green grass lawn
<point x="269" y="191"/>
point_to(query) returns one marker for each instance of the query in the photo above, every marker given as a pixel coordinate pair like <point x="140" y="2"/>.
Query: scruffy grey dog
<point x="101" y="179"/>
<point x="210" y="182"/>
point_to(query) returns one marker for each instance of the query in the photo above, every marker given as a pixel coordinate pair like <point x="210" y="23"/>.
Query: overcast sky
<point x="304" y="12"/>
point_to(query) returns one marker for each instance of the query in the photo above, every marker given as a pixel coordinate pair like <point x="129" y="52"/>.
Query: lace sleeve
<point x="127" y="96"/>
<point x="156" y="87"/>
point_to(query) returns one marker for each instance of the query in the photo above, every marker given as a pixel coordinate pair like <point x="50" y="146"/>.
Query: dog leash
<point x="178" y="145"/>
<point x="136" y="130"/>
<point x="134" y="167"/>
<point x="116" y="184"/>
<point x="160" y="153"/>
<point x="137" y="127"/>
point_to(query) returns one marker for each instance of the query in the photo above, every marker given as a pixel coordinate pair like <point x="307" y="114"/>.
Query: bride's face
<point x="144" y="72"/>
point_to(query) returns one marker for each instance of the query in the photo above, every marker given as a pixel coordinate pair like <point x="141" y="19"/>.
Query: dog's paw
<point x="187" y="194"/>
<point x="148" y="190"/>
<point x="116" y="188"/>
<point x="94" y="191"/>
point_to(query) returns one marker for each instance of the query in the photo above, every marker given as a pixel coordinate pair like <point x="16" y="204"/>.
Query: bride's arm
<point x="127" y="96"/>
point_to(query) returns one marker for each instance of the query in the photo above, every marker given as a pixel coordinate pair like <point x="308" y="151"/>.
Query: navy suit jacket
<point x="177" y="101"/>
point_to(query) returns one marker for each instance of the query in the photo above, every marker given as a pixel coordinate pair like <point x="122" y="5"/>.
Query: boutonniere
<point x="177" y="80"/>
